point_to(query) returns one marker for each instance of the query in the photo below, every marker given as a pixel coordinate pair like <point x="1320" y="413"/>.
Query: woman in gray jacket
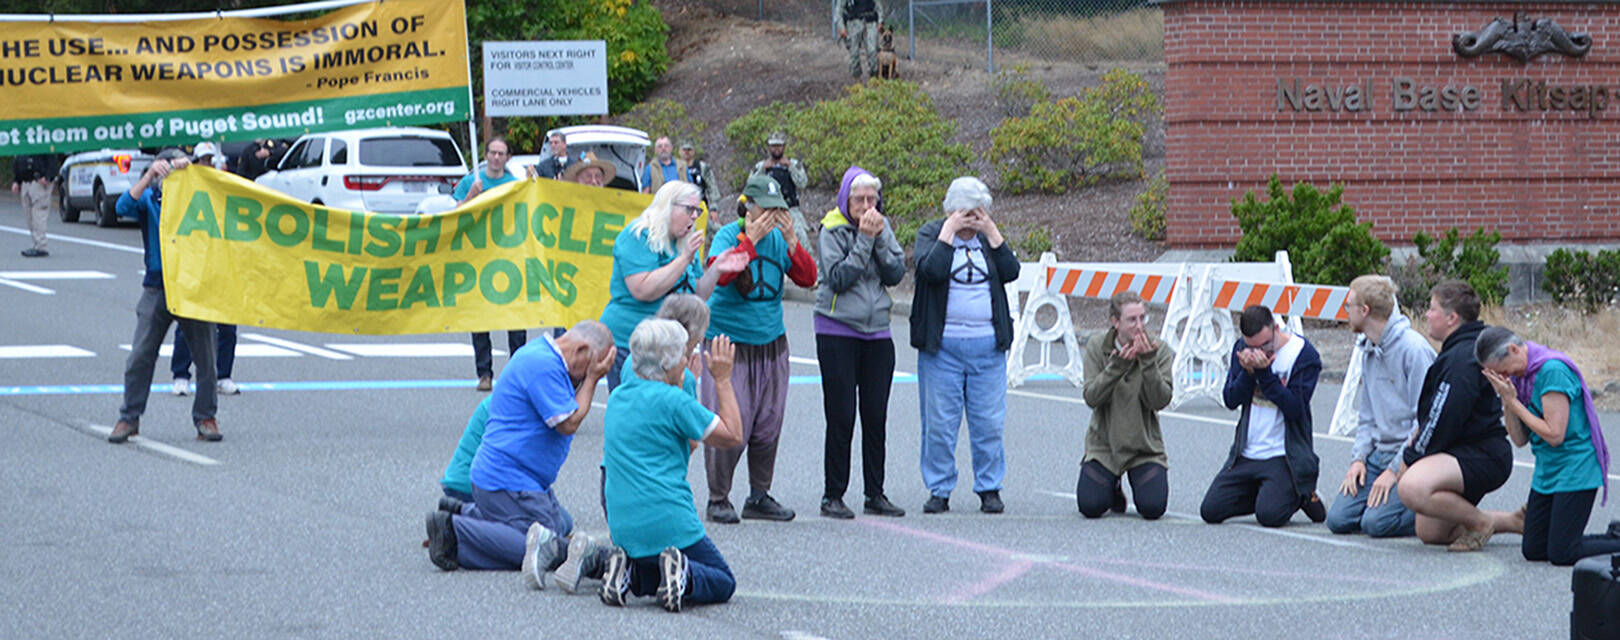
<point x="859" y="258"/>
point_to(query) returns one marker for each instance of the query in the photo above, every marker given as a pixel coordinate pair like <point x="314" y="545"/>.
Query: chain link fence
<point x="995" y="33"/>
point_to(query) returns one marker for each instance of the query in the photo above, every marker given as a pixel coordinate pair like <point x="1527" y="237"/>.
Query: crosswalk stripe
<point x="242" y="351"/>
<point x="57" y="275"/>
<point x="298" y="346"/>
<point x="27" y="287"/>
<point x="408" y="349"/>
<point x="44" y="351"/>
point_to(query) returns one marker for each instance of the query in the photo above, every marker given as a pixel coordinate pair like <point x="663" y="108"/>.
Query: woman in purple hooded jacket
<point x="859" y="258"/>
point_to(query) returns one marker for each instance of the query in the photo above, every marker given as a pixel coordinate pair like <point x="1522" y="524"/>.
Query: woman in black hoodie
<point x="1460" y="450"/>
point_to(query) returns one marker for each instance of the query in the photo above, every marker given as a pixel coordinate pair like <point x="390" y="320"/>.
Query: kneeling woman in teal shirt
<point x="1546" y="403"/>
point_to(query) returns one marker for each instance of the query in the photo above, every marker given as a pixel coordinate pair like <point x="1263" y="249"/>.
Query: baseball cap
<point x="204" y="148"/>
<point x="765" y="192"/>
<point x="777" y="138"/>
<point x="686" y="145"/>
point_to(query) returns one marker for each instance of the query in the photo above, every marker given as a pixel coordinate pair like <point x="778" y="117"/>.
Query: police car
<point x="93" y="180"/>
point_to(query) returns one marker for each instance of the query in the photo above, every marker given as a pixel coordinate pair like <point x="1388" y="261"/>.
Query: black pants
<point x="1553" y="524"/>
<point x="855" y="376"/>
<point x="1150" y="488"/>
<point x="1261" y="487"/>
<point x="483" y="356"/>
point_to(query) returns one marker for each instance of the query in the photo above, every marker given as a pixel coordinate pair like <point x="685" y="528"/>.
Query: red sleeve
<point x="744" y="245"/>
<point x="803" y="271"/>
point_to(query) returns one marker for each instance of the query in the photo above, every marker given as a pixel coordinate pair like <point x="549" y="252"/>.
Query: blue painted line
<point x="338" y="385"/>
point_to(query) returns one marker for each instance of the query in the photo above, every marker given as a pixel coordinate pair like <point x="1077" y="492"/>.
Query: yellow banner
<point x="529" y="254"/>
<point x="70" y="84"/>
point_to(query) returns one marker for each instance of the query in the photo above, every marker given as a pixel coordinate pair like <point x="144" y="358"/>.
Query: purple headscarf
<point x="843" y="188"/>
<point x="1537" y="355"/>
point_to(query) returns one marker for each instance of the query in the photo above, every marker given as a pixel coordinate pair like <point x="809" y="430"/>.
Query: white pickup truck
<point x="93" y="181"/>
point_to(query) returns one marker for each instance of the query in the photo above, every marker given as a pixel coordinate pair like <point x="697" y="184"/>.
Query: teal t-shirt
<point x="460" y="192"/>
<point x="455" y="475"/>
<point x="1573" y="465"/>
<point x="645" y="432"/>
<point x="754" y="317"/>
<point x="631" y="256"/>
<point x="688" y="382"/>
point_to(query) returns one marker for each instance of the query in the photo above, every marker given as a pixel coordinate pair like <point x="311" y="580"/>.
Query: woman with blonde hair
<point x="654" y="256"/>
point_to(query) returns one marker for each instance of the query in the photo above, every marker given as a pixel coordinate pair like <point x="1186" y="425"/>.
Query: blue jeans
<point x="968" y="374"/>
<point x="1350" y="514"/>
<point x="708" y="578"/>
<point x="490" y="532"/>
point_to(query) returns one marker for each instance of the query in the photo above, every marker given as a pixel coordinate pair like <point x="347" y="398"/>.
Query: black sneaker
<point x="616" y="579"/>
<point x="990" y="502"/>
<point x="1614" y="528"/>
<point x="723" y="513"/>
<point x="672" y="579"/>
<point x="879" y="505"/>
<point x="451" y="505"/>
<point x="35" y="253"/>
<point x="834" y="508"/>
<point x="767" y="508"/>
<point x="441" y="540"/>
<point x="1314" y="509"/>
<point x="937" y="504"/>
<point x="1119" y="499"/>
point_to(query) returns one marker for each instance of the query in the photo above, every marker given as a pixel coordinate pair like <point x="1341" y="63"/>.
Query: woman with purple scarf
<point x="1547" y="404"/>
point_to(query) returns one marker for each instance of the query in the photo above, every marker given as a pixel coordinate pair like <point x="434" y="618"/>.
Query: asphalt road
<point x="306" y="521"/>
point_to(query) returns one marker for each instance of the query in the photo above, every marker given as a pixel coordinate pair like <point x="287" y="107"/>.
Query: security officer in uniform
<point x="31" y="177"/>
<point x="789" y="173"/>
<point x="857" y="22"/>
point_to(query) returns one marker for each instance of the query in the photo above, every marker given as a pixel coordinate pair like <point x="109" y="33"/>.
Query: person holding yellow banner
<point x="656" y="256"/>
<point x="144" y="202"/>
<point x="747" y="308"/>
<point x="496" y="153"/>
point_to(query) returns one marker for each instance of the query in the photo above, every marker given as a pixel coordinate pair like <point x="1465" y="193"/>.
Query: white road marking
<point x="83" y="241"/>
<point x="805" y="361"/>
<point x="243" y="350"/>
<point x="44" y="351"/>
<point x="27" y="287"/>
<point x="57" y="275"/>
<point x="298" y="346"/>
<point x="158" y="447"/>
<point x="1279" y="532"/>
<point x="408" y="349"/>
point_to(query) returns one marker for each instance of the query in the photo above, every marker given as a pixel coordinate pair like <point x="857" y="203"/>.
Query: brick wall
<point x="1507" y="163"/>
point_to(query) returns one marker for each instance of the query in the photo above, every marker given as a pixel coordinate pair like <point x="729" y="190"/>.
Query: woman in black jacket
<point x="961" y="328"/>
<point x="1460" y="450"/>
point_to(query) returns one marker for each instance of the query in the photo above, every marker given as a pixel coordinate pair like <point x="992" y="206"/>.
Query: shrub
<point x="747" y="136"/>
<point x="1472" y="259"/>
<point x="1017" y="93"/>
<point x="1589" y="281"/>
<point x="664" y="117"/>
<point x="890" y="128"/>
<point x="1035" y="241"/>
<point x="1136" y="34"/>
<point x="1147" y="217"/>
<point x="1076" y="141"/>
<point x="1323" y="240"/>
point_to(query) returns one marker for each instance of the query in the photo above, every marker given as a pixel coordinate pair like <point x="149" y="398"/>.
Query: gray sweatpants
<point x="760" y="379"/>
<point x="37" y="205"/>
<point x="152" y="320"/>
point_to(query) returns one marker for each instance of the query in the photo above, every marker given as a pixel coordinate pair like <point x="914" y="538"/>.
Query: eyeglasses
<point x="690" y="207"/>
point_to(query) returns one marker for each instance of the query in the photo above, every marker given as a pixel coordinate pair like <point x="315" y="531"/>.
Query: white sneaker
<point x="227" y="387"/>
<point x="539" y="552"/>
<point x="182" y="386"/>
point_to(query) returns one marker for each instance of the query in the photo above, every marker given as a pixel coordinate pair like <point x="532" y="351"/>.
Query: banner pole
<point x="472" y="106"/>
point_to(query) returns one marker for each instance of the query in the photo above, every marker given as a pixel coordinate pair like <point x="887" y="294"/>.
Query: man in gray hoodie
<point x="1395" y="360"/>
<point x="860" y="258"/>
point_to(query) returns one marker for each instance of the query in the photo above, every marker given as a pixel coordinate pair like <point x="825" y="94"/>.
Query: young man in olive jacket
<point x="1128" y="380"/>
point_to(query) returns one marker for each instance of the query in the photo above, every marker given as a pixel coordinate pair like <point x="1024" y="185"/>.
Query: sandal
<point x="1471" y="540"/>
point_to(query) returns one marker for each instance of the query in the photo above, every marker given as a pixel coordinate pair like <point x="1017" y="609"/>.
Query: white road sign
<point x="548" y="78"/>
